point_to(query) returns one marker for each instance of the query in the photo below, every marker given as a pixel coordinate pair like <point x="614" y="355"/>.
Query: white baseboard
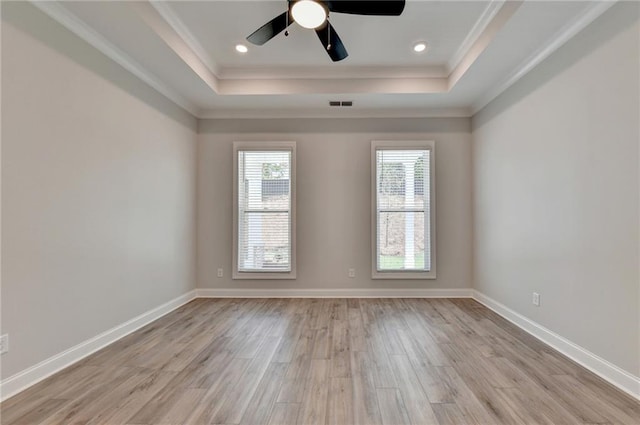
<point x="608" y="371"/>
<point x="601" y="367"/>
<point x="34" y="374"/>
<point x="334" y="293"/>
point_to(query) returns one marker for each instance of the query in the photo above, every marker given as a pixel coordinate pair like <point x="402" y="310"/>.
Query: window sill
<point x="403" y="275"/>
<point x="263" y="276"/>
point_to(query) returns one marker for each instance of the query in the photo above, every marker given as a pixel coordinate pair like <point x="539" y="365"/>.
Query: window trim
<point x="403" y="145"/>
<point x="264" y="146"/>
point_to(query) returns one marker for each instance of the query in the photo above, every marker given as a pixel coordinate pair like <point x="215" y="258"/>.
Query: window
<point x="264" y="210"/>
<point x="403" y="223"/>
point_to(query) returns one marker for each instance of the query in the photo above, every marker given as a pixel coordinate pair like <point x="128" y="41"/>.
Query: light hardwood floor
<point x="325" y="361"/>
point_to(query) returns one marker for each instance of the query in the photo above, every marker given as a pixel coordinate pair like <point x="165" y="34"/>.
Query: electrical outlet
<point x="4" y="343"/>
<point x="220" y="272"/>
<point x="352" y="273"/>
<point x="536" y="299"/>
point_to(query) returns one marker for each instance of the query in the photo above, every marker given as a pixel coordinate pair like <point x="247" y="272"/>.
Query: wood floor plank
<point x="448" y="414"/>
<point x="386" y="326"/>
<point x="212" y="400"/>
<point x="530" y="410"/>
<point x="416" y="402"/>
<point x="469" y="403"/>
<point x="313" y="409"/>
<point x="237" y="397"/>
<point x="379" y="356"/>
<point x="340" y="356"/>
<point x="39" y="412"/>
<point x="155" y="408"/>
<point x="66" y="385"/>
<point x="289" y="340"/>
<point x="340" y="402"/>
<point x="610" y="413"/>
<point x="60" y="385"/>
<point x="126" y="403"/>
<point x="83" y="408"/>
<point x="608" y="393"/>
<point x="532" y="396"/>
<point x="425" y="311"/>
<point x="490" y="399"/>
<point x="298" y="371"/>
<point x="364" y="397"/>
<point x="357" y="341"/>
<point x="392" y="407"/>
<point x="418" y="343"/>
<point x="318" y="314"/>
<point x="205" y="372"/>
<point x="324" y="361"/>
<point x="435" y="383"/>
<point x="179" y="412"/>
<point x="259" y="409"/>
<point x="284" y="414"/>
<point x="322" y="344"/>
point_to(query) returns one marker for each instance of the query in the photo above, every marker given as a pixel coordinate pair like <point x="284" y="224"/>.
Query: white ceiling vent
<point x="341" y="103"/>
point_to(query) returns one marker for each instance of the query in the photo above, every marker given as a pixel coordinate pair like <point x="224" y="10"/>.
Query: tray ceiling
<point x="186" y="50"/>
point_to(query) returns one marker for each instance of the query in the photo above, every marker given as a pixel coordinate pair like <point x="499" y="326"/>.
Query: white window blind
<point x="403" y="201"/>
<point x="264" y="211"/>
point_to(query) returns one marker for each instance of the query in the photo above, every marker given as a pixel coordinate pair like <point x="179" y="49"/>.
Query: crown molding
<point x="330" y="72"/>
<point x="329" y="86"/>
<point x="176" y="43"/>
<point x="476" y="31"/>
<point x="337" y="113"/>
<point x="74" y="24"/>
<point x="498" y="21"/>
<point x="589" y="15"/>
<point x="169" y="15"/>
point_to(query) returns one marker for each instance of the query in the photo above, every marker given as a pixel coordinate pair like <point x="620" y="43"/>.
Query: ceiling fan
<point x="314" y="14"/>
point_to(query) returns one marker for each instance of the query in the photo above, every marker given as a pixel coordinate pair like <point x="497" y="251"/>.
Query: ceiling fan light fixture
<point x="309" y="13"/>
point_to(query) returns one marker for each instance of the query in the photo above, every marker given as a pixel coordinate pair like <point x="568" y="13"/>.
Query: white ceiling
<point x="370" y="40"/>
<point x="185" y="49"/>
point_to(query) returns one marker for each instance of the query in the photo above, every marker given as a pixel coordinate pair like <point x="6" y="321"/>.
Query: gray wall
<point x="556" y="188"/>
<point x="98" y="192"/>
<point x="334" y="199"/>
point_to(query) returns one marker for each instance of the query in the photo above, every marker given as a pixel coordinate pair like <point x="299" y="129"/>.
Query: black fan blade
<point x="270" y="29"/>
<point x="362" y="7"/>
<point x="332" y="43"/>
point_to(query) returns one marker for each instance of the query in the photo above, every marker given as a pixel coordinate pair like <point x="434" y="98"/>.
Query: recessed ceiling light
<point x="309" y="13"/>
<point x="241" y="48"/>
<point x="419" y="47"/>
